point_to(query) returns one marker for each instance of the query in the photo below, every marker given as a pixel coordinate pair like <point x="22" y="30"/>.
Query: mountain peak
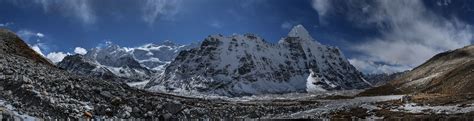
<point x="301" y="32"/>
<point x="168" y="43"/>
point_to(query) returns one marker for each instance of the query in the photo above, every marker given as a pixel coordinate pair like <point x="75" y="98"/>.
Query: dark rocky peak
<point x="75" y="57"/>
<point x="128" y="61"/>
<point x="211" y="42"/>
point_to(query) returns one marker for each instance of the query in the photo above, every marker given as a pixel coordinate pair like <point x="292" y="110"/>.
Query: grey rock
<point x="173" y="108"/>
<point x="8" y="72"/>
<point x="106" y="94"/>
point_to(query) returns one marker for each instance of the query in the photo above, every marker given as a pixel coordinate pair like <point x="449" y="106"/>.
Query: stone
<point x="167" y="116"/>
<point x="405" y="99"/>
<point x="88" y="114"/>
<point x="8" y="72"/>
<point x="116" y="101"/>
<point x="173" y="107"/>
<point x="149" y="114"/>
<point x="125" y="113"/>
<point x="106" y="94"/>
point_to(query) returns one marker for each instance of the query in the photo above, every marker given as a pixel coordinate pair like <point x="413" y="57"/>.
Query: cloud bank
<point x="410" y="33"/>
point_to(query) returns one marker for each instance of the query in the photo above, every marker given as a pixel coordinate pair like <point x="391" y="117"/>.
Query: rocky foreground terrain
<point x="36" y="88"/>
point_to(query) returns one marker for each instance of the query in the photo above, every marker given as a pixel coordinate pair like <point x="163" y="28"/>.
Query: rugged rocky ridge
<point x="78" y="64"/>
<point x="450" y="72"/>
<point x="247" y="64"/>
<point x="122" y="63"/>
<point x="382" y="78"/>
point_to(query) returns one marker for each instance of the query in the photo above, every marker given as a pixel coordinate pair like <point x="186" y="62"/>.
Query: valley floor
<point x="328" y="105"/>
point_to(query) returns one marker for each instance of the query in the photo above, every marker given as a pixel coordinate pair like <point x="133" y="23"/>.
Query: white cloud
<point x="322" y="6"/>
<point x="56" y="57"/>
<point x="156" y="9"/>
<point x="216" y="24"/>
<point x="40" y="35"/>
<point x="409" y="32"/>
<point x="37" y="49"/>
<point x="80" y="50"/>
<point x="6" y="24"/>
<point x="414" y="33"/>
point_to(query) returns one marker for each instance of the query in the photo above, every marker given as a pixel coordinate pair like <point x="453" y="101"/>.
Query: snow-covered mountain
<point x="135" y="64"/>
<point x="157" y="56"/>
<point x="247" y="64"/>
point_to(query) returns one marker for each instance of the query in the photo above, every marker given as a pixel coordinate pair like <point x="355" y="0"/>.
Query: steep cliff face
<point x="246" y="64"/>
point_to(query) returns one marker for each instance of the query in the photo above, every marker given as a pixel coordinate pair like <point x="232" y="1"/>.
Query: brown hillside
<point x="449" y="72"/>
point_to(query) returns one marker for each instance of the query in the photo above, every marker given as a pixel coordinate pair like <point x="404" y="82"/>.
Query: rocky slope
<point x="122" y="63"/>
<point x="450" y="72"/>
<point x="13" y="44"/>
<point x="247" y="64"/>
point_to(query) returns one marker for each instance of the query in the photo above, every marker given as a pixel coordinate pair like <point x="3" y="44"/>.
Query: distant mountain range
<point x="128" y="64"/>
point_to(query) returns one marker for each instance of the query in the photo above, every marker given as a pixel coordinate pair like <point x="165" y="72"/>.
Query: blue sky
<point x="375" y="35"/>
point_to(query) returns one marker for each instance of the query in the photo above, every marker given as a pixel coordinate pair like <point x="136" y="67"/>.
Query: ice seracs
<point x="247" y="65"/>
